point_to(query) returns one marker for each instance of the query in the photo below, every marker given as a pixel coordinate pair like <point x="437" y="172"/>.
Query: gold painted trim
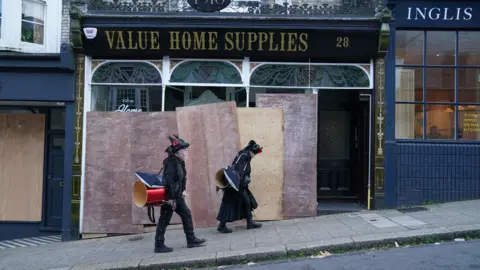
<point x="80" y="78"/>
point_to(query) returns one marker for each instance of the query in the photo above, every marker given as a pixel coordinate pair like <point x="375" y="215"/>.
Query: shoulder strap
<point x="160" y="171"/>
<point x="151" y="214"/>
<point x="237" y="158"/>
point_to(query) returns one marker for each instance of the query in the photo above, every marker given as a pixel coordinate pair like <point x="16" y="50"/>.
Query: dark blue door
<point x="55" y="181"/>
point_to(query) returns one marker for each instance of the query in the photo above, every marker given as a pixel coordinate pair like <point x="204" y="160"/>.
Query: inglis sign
<point x="437" y="14"/>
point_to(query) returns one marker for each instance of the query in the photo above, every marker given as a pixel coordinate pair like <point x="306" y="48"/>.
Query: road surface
<point x="452" y="256"/>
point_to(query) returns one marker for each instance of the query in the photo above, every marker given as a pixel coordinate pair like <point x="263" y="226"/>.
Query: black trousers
<point x="166" y="214"/>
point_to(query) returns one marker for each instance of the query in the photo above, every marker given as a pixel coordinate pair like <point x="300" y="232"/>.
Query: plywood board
<point x="107" y="199"/>
<point x="300" y="173"/>
<point x="149" y="139"/>
<point x="265" y="126"/>
<point x="212" y="130"/>
<point x="22" y="140"/>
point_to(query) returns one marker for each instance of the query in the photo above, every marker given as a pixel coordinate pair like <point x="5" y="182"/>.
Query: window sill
<point x="22" y="47"/>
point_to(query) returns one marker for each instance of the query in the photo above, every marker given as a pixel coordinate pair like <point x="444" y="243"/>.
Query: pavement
<point x="275" y="240"/>
<point x="452" y="256"/>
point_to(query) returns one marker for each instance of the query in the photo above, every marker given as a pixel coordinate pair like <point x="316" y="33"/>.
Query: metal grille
<point x="261" y="7"/>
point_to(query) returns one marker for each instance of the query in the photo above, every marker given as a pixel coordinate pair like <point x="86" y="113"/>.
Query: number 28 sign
<point x="209" y="5"/>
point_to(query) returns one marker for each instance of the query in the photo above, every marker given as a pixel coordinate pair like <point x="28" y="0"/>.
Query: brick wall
<point x="437" y="173"/>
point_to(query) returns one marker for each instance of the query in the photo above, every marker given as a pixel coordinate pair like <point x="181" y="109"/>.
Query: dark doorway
<point x="54" y="196"/>
<point x="339" y="173"/>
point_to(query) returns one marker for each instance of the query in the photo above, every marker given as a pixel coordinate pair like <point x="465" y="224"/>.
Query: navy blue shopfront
<point x="432" y="135"/>
<point x="37" y="95"/>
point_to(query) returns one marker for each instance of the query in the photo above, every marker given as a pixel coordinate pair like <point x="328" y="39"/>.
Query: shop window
<point x="126" y="87"/>
<point x="314" y="76"/>
<point x="437" y="85"/>
<point x="206" y="72"/>
<point x="33" y="21"/>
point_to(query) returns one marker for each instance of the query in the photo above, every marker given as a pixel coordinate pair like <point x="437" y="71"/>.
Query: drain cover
<point x="413" y="209"/>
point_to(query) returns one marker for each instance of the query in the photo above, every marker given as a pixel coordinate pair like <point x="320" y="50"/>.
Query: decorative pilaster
<point x="385" y="17"/>
<point x="78" y="136"/>
<point x="379" y="131"/>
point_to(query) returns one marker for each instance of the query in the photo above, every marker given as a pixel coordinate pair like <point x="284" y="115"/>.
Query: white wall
<point x="10" y="39"/>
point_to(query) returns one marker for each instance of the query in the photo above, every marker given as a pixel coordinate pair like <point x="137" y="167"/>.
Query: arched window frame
<point x="183" y="61"/>
<point x="368" y="73"/>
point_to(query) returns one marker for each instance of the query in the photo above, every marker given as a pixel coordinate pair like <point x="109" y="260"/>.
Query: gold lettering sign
<point x="210" y="41"/>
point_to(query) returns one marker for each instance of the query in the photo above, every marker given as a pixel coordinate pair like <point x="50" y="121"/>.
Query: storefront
<point x="161" y="62"/>
<point x="36" y="144"/>
<point x="433" y="84"/>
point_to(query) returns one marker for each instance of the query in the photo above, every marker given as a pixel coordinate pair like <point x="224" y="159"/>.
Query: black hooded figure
<point x="238" y="205"/>
<point x="175" y="176"/>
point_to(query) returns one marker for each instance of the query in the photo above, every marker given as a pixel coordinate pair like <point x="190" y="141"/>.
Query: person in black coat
<point x="175" y="176"/>
<point x="238" y="205"/>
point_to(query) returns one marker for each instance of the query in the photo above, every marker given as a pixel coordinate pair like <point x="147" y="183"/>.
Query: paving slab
<point x="274" y="240"/>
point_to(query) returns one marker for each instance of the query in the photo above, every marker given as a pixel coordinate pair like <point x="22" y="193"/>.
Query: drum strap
<point x="151" y="214"/>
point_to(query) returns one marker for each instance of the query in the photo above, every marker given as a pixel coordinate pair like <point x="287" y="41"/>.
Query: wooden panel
<point x="265" y="126"/>
<point x="149" y="139"/>
<point x="212" y="130"/>
<point x="107" y="199"/>
<point x="300" y="174"/>
<point x="22" y="140"/>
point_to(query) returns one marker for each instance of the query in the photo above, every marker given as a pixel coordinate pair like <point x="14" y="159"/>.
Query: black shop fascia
<point x="260" y="39"/>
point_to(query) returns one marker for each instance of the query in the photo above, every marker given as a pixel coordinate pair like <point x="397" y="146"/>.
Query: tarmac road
<point x="454" y="255"/>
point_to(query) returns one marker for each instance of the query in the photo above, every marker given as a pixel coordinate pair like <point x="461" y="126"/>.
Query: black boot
<point x="252" y="224"/>
<point x="161" y="248"/>
<point x="195" y="242"/>
<point x="222" y="227"/>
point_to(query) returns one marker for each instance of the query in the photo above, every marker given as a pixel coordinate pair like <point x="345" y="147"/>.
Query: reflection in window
<point x="445" y="91"/>
<point x="469" y="85"/>
<point x="469" y="122"/>
<point x="33" y="19"/>
<point x="440" y="121"/>
<point x="468" y="48"/>
<point x="126" y="98"/>
<point x="409" y="47"/>
<point x="409" y="84"/>
<point x="440" y="48"/>
<point x="179" y="96"/>
<point x="126" y="87"/>
<point x="440" y="85"/>
<point x="405" y="128"/>
<point x="309" y="76"/>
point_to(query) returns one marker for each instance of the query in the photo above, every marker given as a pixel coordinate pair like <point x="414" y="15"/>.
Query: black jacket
<point x="242" y="165"/>
<point x="175" y="176"/>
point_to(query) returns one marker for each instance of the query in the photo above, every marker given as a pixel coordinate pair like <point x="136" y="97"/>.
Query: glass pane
<point x="409" y="47"/>
<point x="440" y="85"/>
<point x="469" y="48"/>
<point x="408" y="121"/>
<point x="441" y="48"/>
<point x="127" y="72"/>
<point x="33" y="16"/>
<point x="409" y="84"/>
<point x="309" y="76"/>
<point x="126" y="99"/>
<point x="58" y="143"/>
<point x="469" y="122"/>
<point x="57" y="119"/>
<point x="206" y="72"/>
<point x="469" y="85"/>
<point x="440" y="121"/>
